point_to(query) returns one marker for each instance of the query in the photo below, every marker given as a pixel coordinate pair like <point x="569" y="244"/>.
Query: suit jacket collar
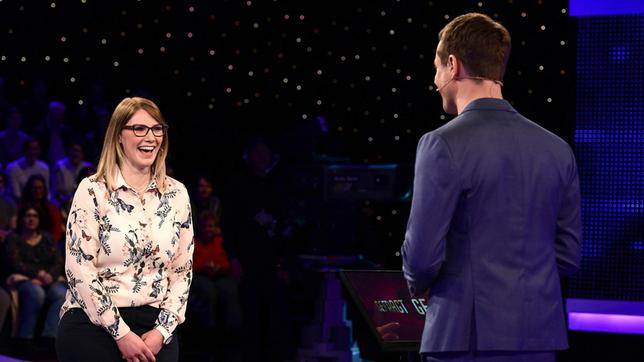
<point x="489" y="104"/>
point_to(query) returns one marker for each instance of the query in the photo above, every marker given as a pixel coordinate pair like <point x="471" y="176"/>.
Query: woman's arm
<point x="81" y="250"/>
<point x="180" y="273"/>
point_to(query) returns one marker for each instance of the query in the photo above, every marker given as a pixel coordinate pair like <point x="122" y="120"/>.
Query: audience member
<point x="21" y="169"/>
<point x="214" y="293"/>
<point x="57" y="133"/>
<point x="204" y="198"/>
<point x="253" y="214"/>
<point x="12" y="138"/>
<point x="35" y="195"/>
<point x="65" y="173"/>
<point x="34" y="266"/>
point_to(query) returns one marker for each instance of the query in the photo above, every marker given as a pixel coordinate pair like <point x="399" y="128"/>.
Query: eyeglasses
<point x="141" y="130"/>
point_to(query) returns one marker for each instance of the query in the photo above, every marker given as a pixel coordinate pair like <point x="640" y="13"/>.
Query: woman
<point x="34" y="267"/>
<point x="129" y="248"/>
<point x="34" y="194"/>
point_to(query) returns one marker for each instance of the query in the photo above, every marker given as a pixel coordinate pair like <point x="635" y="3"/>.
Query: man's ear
<point x="454" y="66"/>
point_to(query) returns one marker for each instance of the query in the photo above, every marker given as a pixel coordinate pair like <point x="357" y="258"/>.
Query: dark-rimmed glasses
<point x="141" y="130"/>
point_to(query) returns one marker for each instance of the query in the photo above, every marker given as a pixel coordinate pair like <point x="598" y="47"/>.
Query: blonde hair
<point x="112" y="154"/>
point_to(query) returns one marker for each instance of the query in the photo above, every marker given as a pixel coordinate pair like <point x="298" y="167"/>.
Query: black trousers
<point x="79" y="340"/>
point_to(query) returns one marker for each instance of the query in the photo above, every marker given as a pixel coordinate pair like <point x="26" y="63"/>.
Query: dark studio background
<point x="222" y="71"/>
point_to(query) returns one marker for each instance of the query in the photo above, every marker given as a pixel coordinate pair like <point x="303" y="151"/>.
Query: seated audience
<point x="34" y="267"/>
<point x="213" y="295"/>
<point x="21" y="169"/>
<point x="65" y="174"/>
<point x="12" y="139"/>
<point x="203" y="197"/>
<point x="35" y="195"/>
<point x="8" y="211"/>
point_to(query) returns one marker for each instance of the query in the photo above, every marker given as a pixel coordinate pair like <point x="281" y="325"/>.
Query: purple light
<point x="603" y="7"/>
<point x="611" y="323"/>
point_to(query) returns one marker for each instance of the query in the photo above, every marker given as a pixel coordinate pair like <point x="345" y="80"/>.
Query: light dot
<point x="408" y="77"/>
<point x="563" y="42"/>
<point x="47" y="58"/>
<point x="255" y="25"/>
<point x="298" y="87"/>
<point x="211" y="52"/>
<point x="541" y="67"/>
<point x="72" y="79"/>
<point x="319" y="102"/>
<point x="370" y="139"/>
<point x="286" y="17"/>
<point x="392" y="32"/>
<point x="383" y="13"/>
<point x="162" y="49"/>
<point x="343" y="58"/>
<point x="446" y="16"/>
<point x="298" y="40"/>
<point x="66" y="60"/>
<point x="523" y="14"/>
<point x="229" y="90"/>
<point x="63" y="39"/>
<point x="397" y="138"/>
<point x="103" y="41"/>
<point x="563" y="11"/>
<point x="379" y="218"/>
<point x="80" y="102"/>
<point x="301" y="17"/>
<point x="394" y="212"/>
<point x="394" y="90"/>
<point x="250" y="73"/>
<point x="397" y="253"/>
<point x="285" y="80"/>
<point x="210" y="106"/>
<point x="53" y="5"/>
<point x="3" y="58"/>
<point x="409" y="20"/>
<point x="549" y="100"/>
<point x="23" y="59"/>
<point x="230" y="67"/>
<point x="480" y="4"/>
<point x="140" y="51"/>
<point x="189" y="94"/>
<point x="339" y="128"/>
<point x="168" y="35"/>
<point x="529" y="91"/>
<point x="190" y="35"/>
<point x="543" y="27"/>
<point x="319" y="72"/>
<point x="367" y="78"/>
<point x="442" y="117"/>
<point x="304" y="116"/>
<point x="191" y="9"/>
<point x="357" y="57"/>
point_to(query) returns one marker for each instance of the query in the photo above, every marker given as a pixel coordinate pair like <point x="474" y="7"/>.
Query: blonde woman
<point x="129" y="247"/>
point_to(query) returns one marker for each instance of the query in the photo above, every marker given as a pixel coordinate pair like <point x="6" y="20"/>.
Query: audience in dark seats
<point x="19" y="171"/>
<point x="34" y="267"/>
<point x="12" y="138"/>
<point x="204" y="197"/>
<point x="65" y="173"/>
<point x="35" y="195"/>
<point x="93" y="139"/>
<point x="251" y="220"/>
<point x="56" y="133"/>
<point x="8" y="211"/>
<point x="35" y="106"/>
<point x="214" y="298"/>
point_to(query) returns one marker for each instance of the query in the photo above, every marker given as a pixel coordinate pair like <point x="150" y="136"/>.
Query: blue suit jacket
<point x="494" y="223"/>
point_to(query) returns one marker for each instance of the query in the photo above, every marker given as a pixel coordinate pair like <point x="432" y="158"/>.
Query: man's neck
<point x="486" y="89"/>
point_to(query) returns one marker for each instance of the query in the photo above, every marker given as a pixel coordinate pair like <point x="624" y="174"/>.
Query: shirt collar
<point x="119" y="182"/>
<point x="490" y="104"/>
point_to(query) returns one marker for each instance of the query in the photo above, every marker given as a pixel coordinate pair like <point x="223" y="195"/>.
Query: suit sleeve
<point x="435" y="195"/>
<point x="569" y="226"/>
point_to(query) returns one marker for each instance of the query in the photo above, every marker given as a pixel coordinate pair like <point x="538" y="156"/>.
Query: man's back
<point x="494" y="224"/>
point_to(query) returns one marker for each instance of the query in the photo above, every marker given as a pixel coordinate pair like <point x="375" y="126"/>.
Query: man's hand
<point x="134" y="349"/>
<point x="154" y="340"/>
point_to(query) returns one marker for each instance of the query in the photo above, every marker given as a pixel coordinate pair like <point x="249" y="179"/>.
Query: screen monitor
<point x="395" y="319"/>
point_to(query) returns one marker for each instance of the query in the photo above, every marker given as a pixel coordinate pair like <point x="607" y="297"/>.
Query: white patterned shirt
<point x="125" y="249"/>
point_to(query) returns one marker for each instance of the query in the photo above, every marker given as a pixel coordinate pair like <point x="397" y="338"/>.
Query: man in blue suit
<point x="495" y="216"/>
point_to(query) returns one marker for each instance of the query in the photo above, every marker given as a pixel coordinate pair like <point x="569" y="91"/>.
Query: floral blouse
<point x="125" y="249"/>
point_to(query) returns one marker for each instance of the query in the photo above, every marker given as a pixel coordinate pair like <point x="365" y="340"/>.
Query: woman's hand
<point x="134" y="349"/>
<point x="154" y="340"/>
